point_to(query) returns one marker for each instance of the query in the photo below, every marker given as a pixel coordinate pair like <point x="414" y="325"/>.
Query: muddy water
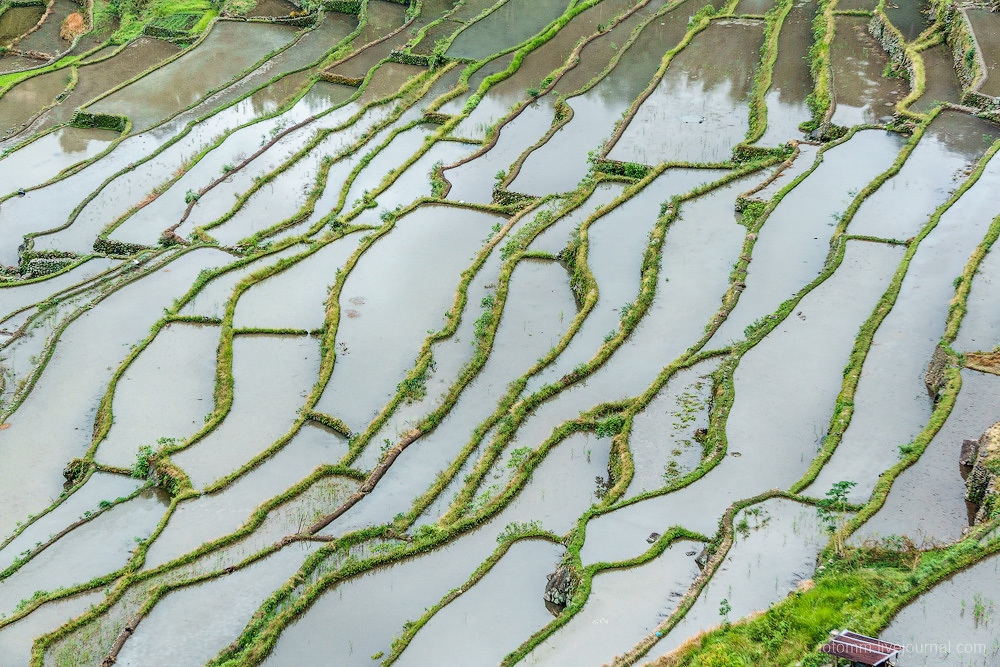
<point x="136" y="184"/>
<point x="16" y="21"/>
<point x="450" y="355"/>
<point x="457" y="104"/>
<point x="927" y="501"/>
<point x="551" y="55"/>
<point x="959" y="614"/>
<point x="16" y="64"/>
<point x="147" y="224"/>
<point x="800" y="164"/>
<point x="662" y="440"/>
<point x="416" y="181"/>
<point x="530" y="326"/>
<point x="981" y="324"/>
<point x="512" y="23"/>
<point x="389" y="302"/>
<point x="536" y="66"/>
<point x="457" y="14"/>
<point x="165" y="393"/>
<point x="579" y="464"/>
<point x="258" y="416"/>
<point x="442" y="30"/>
<point x="51" y="206"/>
<point x="496" y="105"/>
<point x="891" y="404"/>
<point x="17" y="639"/>
<point x="617" y="244"/>
<point x="554" y="239"/>
<point x="46" y="38"/>
<point x="329" y="201"/>
<point x="296" y="297"/>
<point x="474" y="180"/>
<point x="211" y="299"/>
<point x="862" y="5"/>
<point x="210" y="615"/>
<point x="181" y="83"/>
<point x="76" y="379"/>
<point x="860" y="92"/>
<point x="946" y="153"/>
<point x="209" y="517"/>
<point x="755" y="574"/>
<point x="402" y="147"/>
<point x="984" y="27"/>
<point x="24" y="100"/>
<point x="695" y="114"/>
<point x="387" y="80"/>
<point x="370" y="610"/>
<point x="623" y="606"/>
<point x="910" y="16"/>
<point x="42" y="160"/>
<point x="791" y="81"/>
<point x="273" y="8"/>
<point x="285" y="195"/>
<point x="753" y="7"/>
<point x="383" y="17"/>
<point x="359" y="65"/>
<point x="308" y="49"/>
<point x="17" y="297"/>
<point x="100" y="486"/>
<point x="794" y="241"/>
<point x="595" y="112"/>
<point x="96" y="548"/>
<point x="495" y="615"/>
<point x="685" y="301"/>
<point x="942" y="84"/>
<point x="137" y="57"/>
<point x="597" y="53"/>
<point x="785" y="391"/>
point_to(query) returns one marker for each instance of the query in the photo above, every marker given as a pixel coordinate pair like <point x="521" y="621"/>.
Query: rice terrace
<point x="478" y="332"/>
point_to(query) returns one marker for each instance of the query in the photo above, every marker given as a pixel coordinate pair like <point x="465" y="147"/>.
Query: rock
<point x="967" y="458"/>
<point x="652" y="537"/>
<point x="827" y="132"/>
<point x="982" y="486"/>
<point x="559" y="589"/>
<point x="702" y="559"/>
<point x="934" y="378"/>
<point x="75" y="471"/>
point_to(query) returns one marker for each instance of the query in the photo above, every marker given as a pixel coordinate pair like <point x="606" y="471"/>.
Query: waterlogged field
<point x="468" y="332"/>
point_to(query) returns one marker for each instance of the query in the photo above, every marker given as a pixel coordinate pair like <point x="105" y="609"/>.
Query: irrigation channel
<point x="476" y="332"/>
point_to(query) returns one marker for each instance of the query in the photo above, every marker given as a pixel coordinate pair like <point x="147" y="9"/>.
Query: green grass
<point x="177" y="15"/>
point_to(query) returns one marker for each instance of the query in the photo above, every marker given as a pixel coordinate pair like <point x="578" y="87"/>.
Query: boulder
<point x="934" y="378"/>
<point x="967" y="457"/>
<point x="983" y="483"/>
<point x="559" y="589"/>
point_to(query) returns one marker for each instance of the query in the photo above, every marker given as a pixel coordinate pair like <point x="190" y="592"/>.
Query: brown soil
<point x="73" y="25"/>
<point x="986" y="362"/>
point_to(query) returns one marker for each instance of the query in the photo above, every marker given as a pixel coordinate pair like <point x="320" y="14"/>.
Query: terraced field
<point x="541" y="332"/>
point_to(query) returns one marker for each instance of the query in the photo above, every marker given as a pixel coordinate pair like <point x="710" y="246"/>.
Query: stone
<point x="934" y="378"/>
<point x="967" y="457"/>
<point x="702" y="559"/>
<point x="982" y="486"/>
<point x="559" y="589"/>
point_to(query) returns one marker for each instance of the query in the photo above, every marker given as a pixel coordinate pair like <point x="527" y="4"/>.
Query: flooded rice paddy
<point x="480" y="333"/>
